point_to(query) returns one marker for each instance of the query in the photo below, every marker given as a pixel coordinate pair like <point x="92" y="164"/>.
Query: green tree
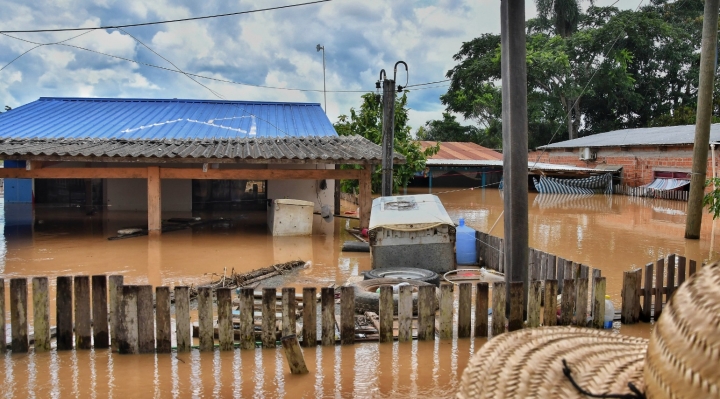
<point x="367" y="122"/>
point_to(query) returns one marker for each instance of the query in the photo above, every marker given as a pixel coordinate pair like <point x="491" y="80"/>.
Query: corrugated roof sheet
<point x="668" y="135"/>
<point x="337" y="149"/>
<point x="462" y="151"/>
<point x="531" y="165"/>
<point x="119" y="118"/>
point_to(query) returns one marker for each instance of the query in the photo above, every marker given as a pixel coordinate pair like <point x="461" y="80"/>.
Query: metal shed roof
<point x="651" y="136"/>
<point x="133" y="118"/>
<point x="452" y="150"/>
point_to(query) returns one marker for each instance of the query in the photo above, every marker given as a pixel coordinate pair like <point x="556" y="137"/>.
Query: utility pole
<point x="388" y="126"/>
<point x="702" y="120"/>
<point x="513" y="67"/>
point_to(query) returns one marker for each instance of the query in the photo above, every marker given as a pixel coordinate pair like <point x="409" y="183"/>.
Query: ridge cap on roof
<point x="174" y="100"/>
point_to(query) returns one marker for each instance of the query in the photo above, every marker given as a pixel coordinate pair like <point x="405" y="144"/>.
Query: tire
<point x="367" y="299"/>
<point x="405" y="273"/>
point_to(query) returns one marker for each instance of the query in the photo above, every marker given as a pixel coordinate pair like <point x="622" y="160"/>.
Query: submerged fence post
<point x="289" y="307"/>
<point x="567" y="306"/>
<point x="327" y="298"/>
<point x="550" y="310"/>
<point x="599" y="302"/>
<point x="83" y="333"/>
<point x="226" y="336"/>
<point x="146" y="319"/>
<point x="18" y="315"/>
<point x="647" y="295"/>
<point x="446" y="311"/>
<point x="294" y="355"/>
<point x="481" y="310"/>
<point x="205" y="319"/>
<point x="498" y="309"/>
<point x="347" y="315"/>
<point x="630" y="298"/>
<point x="309" y="327"/>
<point x="182" y="319"/>
<point x="405" y="312"/>
<point x="534" y="299"/>
<point x="162" y="320"/>
<point x="385" y="310"/>
<point x="464" y="310"/>
<point x="426" y="313"/>
<point x="100" y="312"/>
<point x="247" y="320"/>
<point x="114" y="281"/>
<point x="269" y="320"/>
<point x="127" y="321"/>
<point x="64" y="313"/>
<point x="581" y="302"/>
<point x="41" y="314"/>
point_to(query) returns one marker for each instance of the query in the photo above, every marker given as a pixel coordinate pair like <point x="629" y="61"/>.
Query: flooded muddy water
<point x="612" y="233"/>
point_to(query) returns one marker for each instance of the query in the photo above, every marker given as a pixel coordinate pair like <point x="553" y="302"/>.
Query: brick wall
<point x="638" y="163"/>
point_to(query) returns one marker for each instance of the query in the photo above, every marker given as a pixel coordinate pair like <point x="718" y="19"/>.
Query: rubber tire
<point x="368" y="300"/>
<point x="405" y="273"/>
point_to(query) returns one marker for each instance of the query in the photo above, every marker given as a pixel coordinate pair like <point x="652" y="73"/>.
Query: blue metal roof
<point x="157" y="119"/>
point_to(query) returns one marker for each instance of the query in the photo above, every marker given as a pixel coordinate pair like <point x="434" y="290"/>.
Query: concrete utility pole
<point x="388" y="127"/>
<point x="702" y="120"/>
<point x="515" y="142"/>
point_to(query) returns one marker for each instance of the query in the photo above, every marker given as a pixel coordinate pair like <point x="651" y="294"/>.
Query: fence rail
<point x="644" y="299"/>
<point x="129" y="320"/>
<point x="624" y="189"/>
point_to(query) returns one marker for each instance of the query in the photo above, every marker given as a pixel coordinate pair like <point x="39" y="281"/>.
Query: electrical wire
<point x="167" y="21"/>
<point x="40" y="45"/>
<point x="428" y="83"/>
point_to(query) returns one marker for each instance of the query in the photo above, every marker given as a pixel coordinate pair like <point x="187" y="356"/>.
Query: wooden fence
<point x="643" y="299"/>
<point x="101" y="312"/>
<point x="624" y="189"/>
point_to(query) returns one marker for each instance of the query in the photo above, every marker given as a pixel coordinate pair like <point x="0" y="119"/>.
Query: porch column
<point x="154" y="211"/>
<point x="365" y="196"/>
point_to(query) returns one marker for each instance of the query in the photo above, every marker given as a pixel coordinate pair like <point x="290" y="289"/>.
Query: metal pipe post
<point x="515" y="143"/>
<point x="388" y="128"/>
<point x="702" y="124"/>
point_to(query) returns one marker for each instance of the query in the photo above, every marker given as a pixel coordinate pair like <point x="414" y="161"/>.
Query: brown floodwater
<point x="612" y="233"/>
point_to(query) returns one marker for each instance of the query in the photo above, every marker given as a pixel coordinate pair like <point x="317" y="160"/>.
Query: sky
<point x="270" y="48"/>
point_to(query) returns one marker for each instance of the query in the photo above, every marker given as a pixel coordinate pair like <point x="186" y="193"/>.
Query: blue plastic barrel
<point x="465" y="253"/>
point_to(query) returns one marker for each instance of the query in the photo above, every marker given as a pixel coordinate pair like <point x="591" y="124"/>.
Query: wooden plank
<point x="581" y="302"/>
<point x="146" y="319"/>
<point x="226" y="336"/>
<point x="426" y="313"/>
<point x="385" y="308"/>
<point x="41" y="314"/>
<point x="247" y="324"/>
<point x="560" y="274"/>
<point x="327" y="313"/>
<point x="534" y="300"/>
<point x="531" y="263"/>
<point x="289" y="309"/>
<point x="540" y="265"/>
<point x="294" y="354"/>
<point x="405" y="311"/>
<point x="481" y="310"/>
<point x="205" y="319"/>
<point x="670" y="276"/>
<point x="598" y="302"/>
<point x="693" y="266"/>
<point x="309" y="327"/>
<point x="74" y="173"/>
<point x="464" y="310"/>
<point x="647" y="295"/>
<point x="18" y="316"/>
<point x="162" y="320"/>
<point x="265" y="174"/>
<point x="347" y="315"/>
<point x="551" y="272"/>
<point x="595" y="274"/>
<point x="182" y="319"/>
<point x="64" y="313"/>
<point x="3" y="331"/>
<point x="83" y="333"/>
<point x="659" y="274"/>
<point x="567" y="304"/>
<point x="498" y="308"/>
<point x="446" y="311"/>
<point x="516" y="306"/>
<point x="365" y="196"/>
<point x="269" y="320"/>
<point x="101" y="337"/>
<point x="127" y="334"/>
<point x="114" y="281"/>
<point x="682" y="262"/>
<point x="550" y="310"/>
<point x="154" y="196"/>
<point x="501" y="255"/>
<point x="629" y="297"/>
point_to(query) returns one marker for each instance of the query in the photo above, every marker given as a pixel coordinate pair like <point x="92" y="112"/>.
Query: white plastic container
<point x="290" y="217"/>
<point x="609" y="313"/>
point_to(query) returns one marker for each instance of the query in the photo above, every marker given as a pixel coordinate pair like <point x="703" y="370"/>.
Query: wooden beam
<point x="365" y="197"/>
<point x="74" y="173"/>
<point x="154" y="197"/>
<point x="260" y="174"/>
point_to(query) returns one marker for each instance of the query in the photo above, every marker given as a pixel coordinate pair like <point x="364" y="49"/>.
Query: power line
<point x="168" y="21"/>
<point x="428" y="83"/>
<point x="40" y="45"/>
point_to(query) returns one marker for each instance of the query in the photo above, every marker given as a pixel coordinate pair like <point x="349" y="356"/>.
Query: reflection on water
<point x="613" y="233"/>
<point x="369" y="370"/>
